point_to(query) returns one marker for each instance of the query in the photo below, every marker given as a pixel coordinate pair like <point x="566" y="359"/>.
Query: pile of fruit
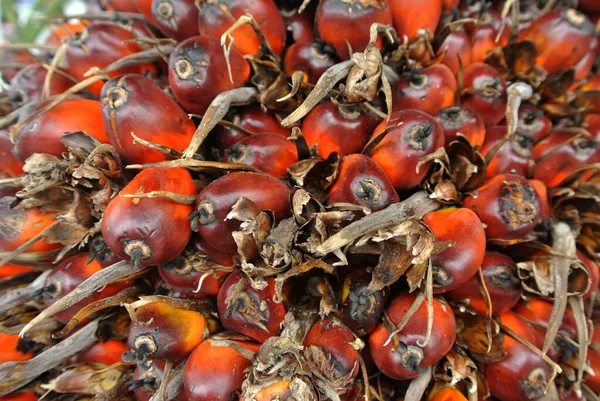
<point x="285" y="200"/>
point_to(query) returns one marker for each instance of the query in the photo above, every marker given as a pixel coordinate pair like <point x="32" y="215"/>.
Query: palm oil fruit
<point x="411" y="16"/>
<point x="150" y="231"/>
<point x="134" y="104"/>
<point x="177" y="19"/>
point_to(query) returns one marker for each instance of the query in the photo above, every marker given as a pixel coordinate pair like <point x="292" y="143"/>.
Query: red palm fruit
<point x="198" y="72"/>
<point x="361" y="307"/>
<point x="215" y="201"/>
<point x="448" y="4"/>
<point x="403" y="358"/>
<point x="589" y="5"/>
<point x="362" y="182"/>
<point x="342" y="24"/>
<point x="9" y="270"/>
<point x="533" y="123"/>
<point x="300" y="26"/>
<point x="106" y="352"/>
<point x="412" y="135"/>
<point x="27" y="85"/>
<point x="456" y="45"/>
<point x="537" y="312"/>
<point x="249" y="311"/>
<point x="592" y="124"/>
<point x="252" y="119"/>
<point x="110" y="39"/>
<point x="522" y="375"/>
<point x="65" y="31"/>
<point x="42" y="135"/>
<point x="501" y="280"/>
<point x="144" y="7"/>
<point x="160" y="331"/>
<point x="135" y="104"/>
<point x="508" y="205"/>
<point x="124" y="6"/>
<point x="10" y="349"/>
<point x="24" y="396"/>
<point x="21" y="225"/>
<point x="281" y="390"/>
<point x="485" y="92"/>
<point x="216" y="16"/>
<point x="462" y="119"/>
<point x="342" y="129"/>
<point x="66" y="276"/>
<point x="312" y="58"/>
<point x="560" y="154"/>
<point x="584" y="67"/>
<point x="592" y="84"/>
<point x="592" y="379"/>
<point x="513" y="157"/>
<point x="335" y="340"/>
<point x="270" y="153"/>
<point x="216" y="370"/>
<point x="180" y="274"/>
<point x="10" y="166"/>
<point x="153" y="230"/>
<point x="146" y="381"/>
<point x="448" y="394"/>
<point x="411" y="16"/>
<point x="562" y="37"/>
<point x="484" y="41"/>
<point x="177" y="19"/>
<point x="593" y="271"/>
<point x="542" y="191"/>
<point x="11" y="62"/>
<point x="458" y="263"/>
<point x="428" y="90"/>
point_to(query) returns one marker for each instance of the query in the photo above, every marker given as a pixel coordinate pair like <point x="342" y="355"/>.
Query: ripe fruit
<point x="342" y="24"/>
<point x="312" y="58"/>
<point x="533" y="123"/>
<point x="11" y="349"/>
<point x="27" y="85"/>
<point x="177" y="19"/>
<point x="106" y="352"/>
<point x="428" y="90"/>
<point x="403" y="358"/>
<point x="513" y="157"/>
<point x="216" y="370"/>
<point x="457" y="119"/>
<point x="270" y="153"/>
<point x="593" y="271"/>
<point x="342" y="129"/>
<point x="448" y="394"/>
<point x="249" y="311"/>
<point x="215" y="201"/>
<point x="411" y="135"/>
<point x="198" y="72"/>
<point x="154" y="230"/>
<point x="10" y="165"/>
<point x="410" y="16"/>
<point x="456" y="45"/>
<point x="485" y="92"/>
<point x="502" y="283"/>
<point x="508" y="205"/>
<point x="458" y="263"/>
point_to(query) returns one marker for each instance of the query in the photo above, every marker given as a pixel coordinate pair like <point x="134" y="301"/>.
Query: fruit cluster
<point x="272" y="200"/>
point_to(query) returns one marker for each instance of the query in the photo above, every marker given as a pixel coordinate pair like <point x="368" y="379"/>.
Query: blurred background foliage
<point x="22" y="20"/>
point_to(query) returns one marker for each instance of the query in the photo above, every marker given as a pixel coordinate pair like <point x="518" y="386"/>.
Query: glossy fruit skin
<point x="537" y="312"/>
<point x="592" y="83"/>
<point x="513" y="157"/>
<point x="157" y="227"/>
<point x="198" y="72"/>
<point x="27" y="85"/>
<point x="42" y="135"/>
<point x="300" y="26"/>
<point x="399" y="151"/>
<point x="232" y="313"/>
<point x="592" y="124"/>
<point x="215" y="201"/>
<point x="177" y="19"/>
<point x="593" y="271"/>
<point x="134" y="103"/>
<point x="361" y="307"/>
<point x="9" y="270"/>
<point x="66" y="276"/>
<point x="457" y="264"/>
<point x="112" y="41"/>
<point x="490" y="106"/>
<point x="428" y="90"/>
<point x="455" y="119"/>
<point x="10" y="165"/>
<point x="20" y="225"/>
<point x="533" y="123"/>
<point x="484" y="41"/>
<point x="508" y="205"/>
<point x="339" y="22"/>
<point x="448" y="394"/>
<point x="457" y="44"/>
<point x="312" y="58"/>
<point x="215" y="371"/>
<point x="171" y="333"/>
<point x="216" y="17"/>
<point x="556" y="160"/>
<point x="184" y="278"/>
<point x="106" y="352"/>
<point x="443" y="334"/>
<point x="562" y="38"/>
<point x="270" y="153"/>
<point x="10" y="349"/>
<point x="501" y="280"/>
<point x="412" y="15"/>
<point x="338" y="129"/>
<point x="25" y="396"/>
<point x="334" y="338"/>
<point x="362" y="182"/>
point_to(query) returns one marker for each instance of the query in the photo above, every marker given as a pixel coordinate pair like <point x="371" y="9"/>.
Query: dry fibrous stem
<point x="195" y="165"/>
<point x="16" y="296"/>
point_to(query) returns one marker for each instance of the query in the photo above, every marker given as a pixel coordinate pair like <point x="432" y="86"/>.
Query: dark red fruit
<point x="485" y="92"/>
<point x="410" y="16"/>
<point x="513" y="157"/>
<point x="533" y="123"/>
<point x="300" y="26"/>
<point x="312" y="58"/>
<point x="593" y="271"/>
<point x="457" y="119"/>
<point x="456" y="45"/>
<point x="177" y="19"/>
<point x="27" y="85"/>
<point x="269" y="153"/>
<point x="10" y="165"/>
